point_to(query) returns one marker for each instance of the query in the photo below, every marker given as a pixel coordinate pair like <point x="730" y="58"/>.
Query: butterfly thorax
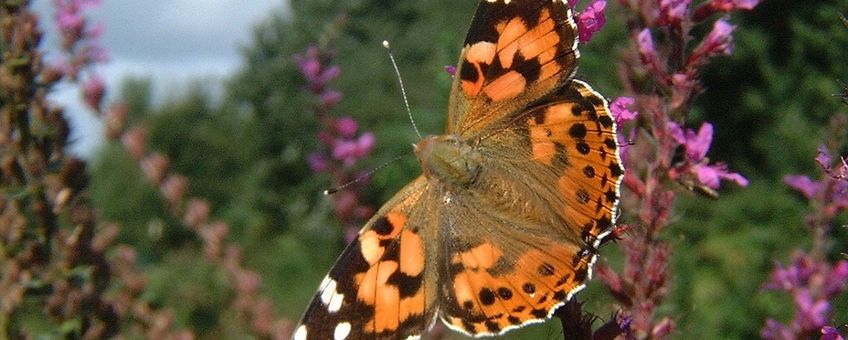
<point x="449" y="159"/>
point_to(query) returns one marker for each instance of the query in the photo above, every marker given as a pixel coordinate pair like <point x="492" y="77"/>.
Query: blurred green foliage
<point x="246" y="153"/>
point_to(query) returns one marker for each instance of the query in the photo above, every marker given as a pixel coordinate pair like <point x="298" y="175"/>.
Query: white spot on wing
<point x="300" y="333"/>
<point x="330" y="297"/>
<point x="324" y="282"/>
<point x="342" y="331"/>
<point x="328" y="291"/>
<point x="335" y="303"/>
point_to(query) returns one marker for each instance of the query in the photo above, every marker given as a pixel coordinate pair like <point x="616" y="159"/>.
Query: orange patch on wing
<point x="483" y="256"/>
<point x="580" y="212"/>
<point x="413" y="305"/>
<point x="508" y="43"/>
<point x="539" y="280"/>
<point x="507" y="86"/>
<point x="541" y="37"/>
<point x="462" y="288"/>
<point x="369" y="240"/>
<point x="374" y="291"/>
<point x="411" y="253"/>
<point x="398" y="221"/>
<point x="543" y="135"/>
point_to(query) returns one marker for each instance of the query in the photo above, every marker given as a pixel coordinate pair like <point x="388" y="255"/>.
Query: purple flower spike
<point x="591" y="20"/>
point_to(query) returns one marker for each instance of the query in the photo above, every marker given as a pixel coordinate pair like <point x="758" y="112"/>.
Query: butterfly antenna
<point x="362" y="177"/>
<point x="402" y="88"/>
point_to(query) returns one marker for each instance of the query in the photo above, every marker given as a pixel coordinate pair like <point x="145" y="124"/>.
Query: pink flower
<point x="722" y="6"/>
<point x="803" y="184"/>
<point x="683" y="84"/>
<point x="811" y="283"/>
<point x="718" y="42"/>
<point x="318" y="75"/>
<point x="349" y="151"/>
<point x="309" y="66"/>
<point x="696" y="145"/>
<point x="776" y="330"/>
<point x="837" y="279"/>
<point x="572" y="3"/>
<point x="830" y="333"/>
<point x="813" y="312"/>
<point x="620" y="111"/>
<point x="93" y="91"/>
<point x="647" y="52"/>
<point x="450" y="69"/>
<point x="672" y="12"/>
<point x="591" y="20"/>
<point x="330" y="98"/>
<point x="729" y="5"/>
<point x="712" y="174"/>
<point x="318" y="162"/>
<point x="366" y="143"/>
<point x="329" y="74"/>
<point x="347" y="127"/>
<point x="823" y="157"/>
<point x="69" y="17"/>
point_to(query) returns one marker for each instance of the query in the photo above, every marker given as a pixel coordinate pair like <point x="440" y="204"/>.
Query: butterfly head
<point x="449" y="159"/>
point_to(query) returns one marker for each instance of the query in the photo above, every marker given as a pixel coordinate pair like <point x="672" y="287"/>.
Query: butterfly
<point x="504" y="224"/>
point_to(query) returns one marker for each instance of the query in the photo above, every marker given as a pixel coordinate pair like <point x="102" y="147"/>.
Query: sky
<point x="170" y="41"/>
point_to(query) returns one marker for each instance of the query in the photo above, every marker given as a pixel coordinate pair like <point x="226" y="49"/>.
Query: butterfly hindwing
<point x="574" y="136"/>
<point x="377" y="288"/>
<point x="515" y="53"/>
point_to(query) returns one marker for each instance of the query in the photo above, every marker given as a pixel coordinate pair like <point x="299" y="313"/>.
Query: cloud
<point x="170" y="41"/>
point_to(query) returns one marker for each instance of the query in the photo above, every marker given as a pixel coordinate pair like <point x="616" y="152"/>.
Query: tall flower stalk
<point x="53" y="260"/>
<point x="811" y="279"/>
<point x="662" y="155"/>
<point x="342" y="146"/>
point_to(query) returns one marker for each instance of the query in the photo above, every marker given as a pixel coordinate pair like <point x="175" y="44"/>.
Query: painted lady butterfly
<point x="503" y="226"/>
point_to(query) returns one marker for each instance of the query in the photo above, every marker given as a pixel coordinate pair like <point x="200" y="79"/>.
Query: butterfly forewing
<point x="515" y="53"/>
